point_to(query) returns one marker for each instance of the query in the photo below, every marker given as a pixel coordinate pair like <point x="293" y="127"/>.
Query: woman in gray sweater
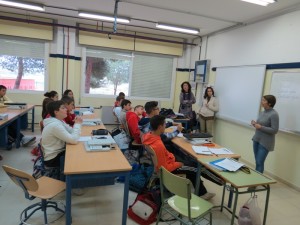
<point x="266" y="128"/>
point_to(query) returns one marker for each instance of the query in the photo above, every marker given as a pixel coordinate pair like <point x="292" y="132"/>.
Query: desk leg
<point x="234" y="206"/>
<point x="230" y="198"/>
<point x="68" y="200"/>
<point x="223" y="197"/>
<point x="125" y="199"/>
<point x="18" y="130"/>
<point x="32" y="120"/>
<point x="266" y="205"/>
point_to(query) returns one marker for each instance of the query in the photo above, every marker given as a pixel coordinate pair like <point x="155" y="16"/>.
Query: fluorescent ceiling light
<point x="102" y="17"/>
<point x="179" y="29"/>
<point x="23" y="5"/>
<point x="260" y="2"/>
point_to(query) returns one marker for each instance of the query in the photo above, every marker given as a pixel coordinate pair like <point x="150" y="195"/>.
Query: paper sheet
<point x="202" y="150"/>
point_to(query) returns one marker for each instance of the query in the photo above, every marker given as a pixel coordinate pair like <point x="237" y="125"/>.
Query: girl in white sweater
<point x="57" y="133"/>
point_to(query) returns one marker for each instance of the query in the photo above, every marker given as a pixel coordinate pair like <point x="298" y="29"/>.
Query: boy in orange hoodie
<point x="166" y="158"/>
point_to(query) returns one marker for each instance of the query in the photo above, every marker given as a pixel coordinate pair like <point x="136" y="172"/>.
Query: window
<point x="135" y="74"/>
<point x="22" y="64"/>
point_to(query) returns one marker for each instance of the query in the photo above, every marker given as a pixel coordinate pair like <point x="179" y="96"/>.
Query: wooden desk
<point x="239" y="180"/>
<point x="86" y="169"/>
<point x="185" y="146"/>
<point x="15" y="115"/>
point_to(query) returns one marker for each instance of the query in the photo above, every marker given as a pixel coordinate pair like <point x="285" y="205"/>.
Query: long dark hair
<point x="189" y="85"/>
<point x="50" y="94"/>
<point x="205" y="93"/>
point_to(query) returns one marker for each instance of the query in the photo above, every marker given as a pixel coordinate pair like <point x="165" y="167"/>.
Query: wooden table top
<point x="187" y="147"/>
<point x="79" y="161"/>
<point x="13" y="113"/>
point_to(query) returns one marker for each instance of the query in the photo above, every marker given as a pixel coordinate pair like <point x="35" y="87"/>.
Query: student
<point x="121" y="95"/>
<point x="166" y="159"/>
<point x="117" y="108"/>
<point x="68" y="93"/>
<point x="50" y="96"/>
<point x="210" y="106"/>
<point x="12" y="132"/>
<point x="152" y="109"/>
<point x="126" y="107"/>
<point x="132" y="119"/>
<point x="69" y="104"/>
<point x="57" y="133"/>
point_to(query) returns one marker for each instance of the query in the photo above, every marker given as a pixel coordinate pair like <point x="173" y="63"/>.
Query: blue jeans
<point x="260" y="154"/>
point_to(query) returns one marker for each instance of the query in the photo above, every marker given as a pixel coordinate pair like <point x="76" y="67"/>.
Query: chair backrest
<point x="153" y="156"/>
<point x="175" y="184"/>
<point x="22" y="179"/>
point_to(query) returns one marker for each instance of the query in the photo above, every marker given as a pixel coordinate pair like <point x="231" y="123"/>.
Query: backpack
<point x="140" y="176"/>
<point x="39" y="168"/>
<point x="168" y="113"/>
<point x="146" y="206"/>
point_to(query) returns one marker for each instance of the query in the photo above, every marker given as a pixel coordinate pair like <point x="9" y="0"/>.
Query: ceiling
<point x="209" y="16"/>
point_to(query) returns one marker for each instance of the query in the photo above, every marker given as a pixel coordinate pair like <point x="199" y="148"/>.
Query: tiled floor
<point x="103" y="205"/>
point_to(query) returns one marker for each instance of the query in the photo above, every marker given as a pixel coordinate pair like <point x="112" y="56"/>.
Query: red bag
<point x="144" y="210"/>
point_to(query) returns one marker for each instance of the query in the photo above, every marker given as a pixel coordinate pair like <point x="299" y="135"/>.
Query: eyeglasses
<point x="62" y="107"/>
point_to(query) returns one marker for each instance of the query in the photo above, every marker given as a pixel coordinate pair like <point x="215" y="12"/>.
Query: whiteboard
<point x="239" y="90"/>
<point x="285" y="86"/>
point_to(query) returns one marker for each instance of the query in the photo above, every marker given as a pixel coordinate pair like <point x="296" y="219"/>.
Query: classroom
<point x="230" y="44"/>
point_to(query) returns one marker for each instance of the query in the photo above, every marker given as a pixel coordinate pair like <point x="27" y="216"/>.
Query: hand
<point x="78" y="119"/>
<point x="257" y="126"/>
<point x="179" y="127"/>
<point x="253" y="122"/>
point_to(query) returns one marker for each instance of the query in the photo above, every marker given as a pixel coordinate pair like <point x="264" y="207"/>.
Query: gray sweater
<point x="269" y="120"/>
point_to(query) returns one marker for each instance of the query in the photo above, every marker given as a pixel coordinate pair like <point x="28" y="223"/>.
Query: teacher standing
<point x="210" y="106"/>
<point x="266" y="127"/>
<point x="187" y="99"/>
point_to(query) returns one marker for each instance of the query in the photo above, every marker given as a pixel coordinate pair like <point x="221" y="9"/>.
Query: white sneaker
<point x="77" y="191"/>
<point x="208" y="196"/>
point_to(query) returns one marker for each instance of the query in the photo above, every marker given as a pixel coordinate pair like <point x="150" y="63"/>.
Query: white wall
<point x="271" y="41"/>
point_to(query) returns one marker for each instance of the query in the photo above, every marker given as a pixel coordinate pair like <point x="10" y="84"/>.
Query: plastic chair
<point x="183" y="205"/>
<point x="44" y="188"/>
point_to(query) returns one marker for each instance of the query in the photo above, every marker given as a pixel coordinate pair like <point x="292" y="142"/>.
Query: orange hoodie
<point x="164" y="157"/>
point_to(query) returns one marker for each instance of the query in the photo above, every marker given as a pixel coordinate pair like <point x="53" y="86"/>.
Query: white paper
<point x="229" y="164"/>
<point x="85" y="138"/>
<point x="202" y="150"/>
<point x="221" y="151"/>
<point x="198" y="141"/>
<point x="180" y="135"/>
<point x="87" y="113"/>
<point x="86" y="123"/>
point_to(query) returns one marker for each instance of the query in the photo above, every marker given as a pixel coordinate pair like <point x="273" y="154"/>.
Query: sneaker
<point x="208" y="196"/>
<point x="77" y="191"/>
<point x="27" y="141"/>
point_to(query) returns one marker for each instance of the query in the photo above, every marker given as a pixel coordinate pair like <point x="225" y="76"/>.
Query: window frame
<point x="83" y="94"/>
<point x="46" y="63"/>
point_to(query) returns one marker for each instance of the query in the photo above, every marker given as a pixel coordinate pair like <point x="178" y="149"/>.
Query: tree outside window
<point x="22" y="64"/>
